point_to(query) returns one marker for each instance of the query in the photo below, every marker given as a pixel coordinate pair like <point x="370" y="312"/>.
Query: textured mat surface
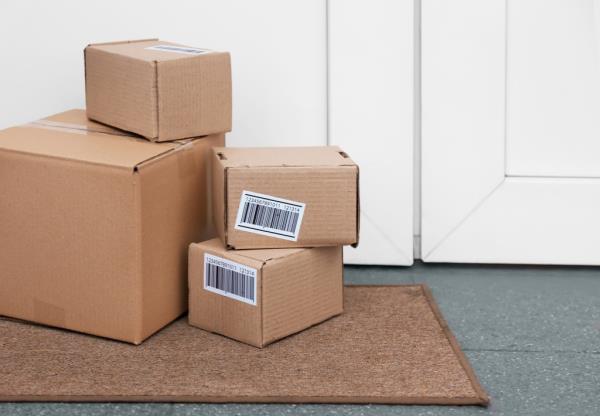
<point x="390" y="346"/>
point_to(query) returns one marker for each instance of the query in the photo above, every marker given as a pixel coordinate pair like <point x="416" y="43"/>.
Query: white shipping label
<point x="230" y="279"/>
<point x="178" y="49"/>
<point x="269" y="215"/>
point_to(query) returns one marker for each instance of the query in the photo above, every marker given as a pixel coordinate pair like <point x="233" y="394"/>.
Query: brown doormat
<point x="391" y="345"/>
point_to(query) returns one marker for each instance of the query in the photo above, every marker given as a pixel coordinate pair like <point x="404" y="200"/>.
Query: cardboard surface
<point x="391" y="345"/>
<point x="162" y="95"/>
<point x="95" y="226"/>
<point x="323" y="179"/>
<point x="295" y="289"/>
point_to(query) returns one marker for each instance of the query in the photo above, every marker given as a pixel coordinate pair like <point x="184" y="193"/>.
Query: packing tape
<point x="58" y="127"/>
<point x="77" y="128"/>
<point x="47" y="313"/>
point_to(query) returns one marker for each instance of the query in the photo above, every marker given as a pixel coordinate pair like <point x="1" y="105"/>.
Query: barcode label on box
<point x="269" y="215"/>
<point x="230" y="279"/>
<point x="178" y="49"/>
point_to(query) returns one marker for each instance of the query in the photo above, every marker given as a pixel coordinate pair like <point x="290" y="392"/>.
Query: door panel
<point x="371" y="118"/>
<point x="462" y="110"/>
<point x="474" y="208"/>
<point x="553" y="88"/>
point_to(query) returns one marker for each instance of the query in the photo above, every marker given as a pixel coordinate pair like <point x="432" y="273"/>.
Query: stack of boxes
<point x="99" y="209"/>
<point x="282" y="216"/>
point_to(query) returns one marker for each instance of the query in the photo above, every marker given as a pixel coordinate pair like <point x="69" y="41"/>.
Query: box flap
<point x="138" y="49"/>
<point x="262" y="255"/>
<point x="74" y="141"/>
<point x="283" y="156"/>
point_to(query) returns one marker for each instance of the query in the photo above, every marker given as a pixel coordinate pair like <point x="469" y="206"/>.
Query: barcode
<point x="269" y="217"/>
<point x="178" y="49"/>
<point x="229" y="279"/>
<point x="265" y="214"/>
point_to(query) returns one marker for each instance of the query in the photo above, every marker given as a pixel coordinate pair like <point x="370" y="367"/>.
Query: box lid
<point x="145" y="50"/>
<point x="71" y="136"/>
<point x="283" y="156"/>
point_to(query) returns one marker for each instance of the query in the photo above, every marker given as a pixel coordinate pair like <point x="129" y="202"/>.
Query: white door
<point x="511" y="131"/>
<point x="371" y="46"/>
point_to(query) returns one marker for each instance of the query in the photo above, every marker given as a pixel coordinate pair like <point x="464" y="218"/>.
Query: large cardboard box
<point x="260" y="296"/>
<point x="95" y="225"/>
<point x="285" y="197"/>
<point x="160" y="90"/>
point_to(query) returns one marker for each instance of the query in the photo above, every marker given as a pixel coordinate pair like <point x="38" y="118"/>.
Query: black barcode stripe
<point x="230" y="281"/>
<point x="269" y="217"/>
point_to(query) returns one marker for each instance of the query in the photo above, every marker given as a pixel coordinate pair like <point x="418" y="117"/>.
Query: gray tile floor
<point x="531" y="333"/>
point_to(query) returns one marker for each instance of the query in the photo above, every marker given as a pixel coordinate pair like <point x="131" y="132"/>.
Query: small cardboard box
<point x="285" y="197"/>
<point x="260" y="296"/>
<point x="95" y="225"/>
<point x="160" y="90"/>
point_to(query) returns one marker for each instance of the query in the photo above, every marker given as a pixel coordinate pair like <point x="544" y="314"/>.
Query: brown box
<point x="260" y="296"/>
<point x="285" y="197"/>
<point x="160" y="90"/>
<point x="95" y="225"/>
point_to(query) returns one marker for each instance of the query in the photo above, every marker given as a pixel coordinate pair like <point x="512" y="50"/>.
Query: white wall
<point x="278" y="56"/>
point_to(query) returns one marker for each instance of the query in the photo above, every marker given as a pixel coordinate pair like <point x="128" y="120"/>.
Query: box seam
<point x="139" y="266"/>
<point x="157" y="102"/>
<point x="262" y="315"/>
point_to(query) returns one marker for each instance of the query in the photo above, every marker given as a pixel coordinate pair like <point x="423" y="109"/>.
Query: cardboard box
<point x="160" y="90"/>
<point x="96" y="225"/>
<point x="260" y="296"/>
<point x="285" y="197"/>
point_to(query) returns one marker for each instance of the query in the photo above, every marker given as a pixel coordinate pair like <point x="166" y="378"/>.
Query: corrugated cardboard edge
<point x="138" y="338"/>
<point x="347" y="156"/>
<point x="226" y="206"/>
<point x="357" y="207"/>
<point x="482" y="398"/>
<point x="157" y="100"/>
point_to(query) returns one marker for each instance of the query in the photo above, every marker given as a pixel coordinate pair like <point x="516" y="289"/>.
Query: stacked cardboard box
<point x="96" y="219"/>
<point x="100" y="208"/>
<point x="282" y="215"/>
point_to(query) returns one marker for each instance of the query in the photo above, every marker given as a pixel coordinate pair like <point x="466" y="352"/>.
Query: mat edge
<point x="454" y="401"/>
<point x="462" y="358"/>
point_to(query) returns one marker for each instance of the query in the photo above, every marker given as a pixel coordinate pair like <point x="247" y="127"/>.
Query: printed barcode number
<point x="229" y="279"/>
<point x="178" y="49"/>
<point x="269" y="215"/>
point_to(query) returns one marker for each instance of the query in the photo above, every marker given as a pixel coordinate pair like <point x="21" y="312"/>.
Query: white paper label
<point x="178" y="49"/>
<point x="269" y="215"/>
<point x="230" y="279"/>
